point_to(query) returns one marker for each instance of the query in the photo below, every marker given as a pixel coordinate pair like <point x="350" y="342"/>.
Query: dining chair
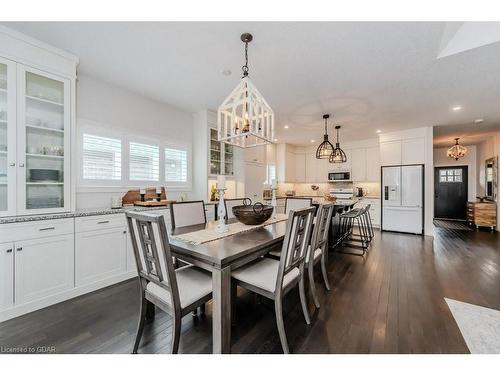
<point x="187" y="213"/>
<point x="318" y="250"/>
<point x="175" y="291"/>
<point x="274" y="279"/>
<point x="292" y="203"/>
<point x="230" y="203"/>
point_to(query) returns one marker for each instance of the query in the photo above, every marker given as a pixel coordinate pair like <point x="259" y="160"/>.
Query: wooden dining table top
<point x="222" y="252"/>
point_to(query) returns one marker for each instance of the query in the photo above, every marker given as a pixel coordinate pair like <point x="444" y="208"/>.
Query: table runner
<point x="206" y="235"/>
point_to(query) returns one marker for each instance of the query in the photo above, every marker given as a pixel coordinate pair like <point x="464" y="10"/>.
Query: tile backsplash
<point x="369" y="188"/>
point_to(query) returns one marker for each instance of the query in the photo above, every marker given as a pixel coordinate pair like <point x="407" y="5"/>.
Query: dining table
<point x="220" y="257"/>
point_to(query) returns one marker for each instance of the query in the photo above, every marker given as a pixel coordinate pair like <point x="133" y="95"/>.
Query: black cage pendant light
<point x="338" y="155"/>
<point x="325" y="149"/>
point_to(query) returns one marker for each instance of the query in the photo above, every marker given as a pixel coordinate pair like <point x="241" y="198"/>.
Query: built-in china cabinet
<point x="36" y="114"/>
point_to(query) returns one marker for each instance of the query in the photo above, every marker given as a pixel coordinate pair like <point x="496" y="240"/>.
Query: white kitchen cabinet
<point x="322" y="169"/>
<point x="312" y="165"/>
<point x="255" y="154"/>
<point x="413" y="151"/>
<point x="358" y="164"/>
<point x="290" y="167"/>
<point x="342" y="166"/>
<point x="374" y="209"/>
<point x="100" y="254"/>
<point x="6" y="275"/>
<point x="44" y="267"/>
<point x="255" y="175"/>
<point x="373" y="164"/>
<point x="390" y="153"/>
<point x="300" y="167"/>
<point x="7" y="137"/>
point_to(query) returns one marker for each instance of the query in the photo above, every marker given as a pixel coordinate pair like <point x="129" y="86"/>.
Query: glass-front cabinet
<point x="34" y="141"/>
<point x="7" y="137"/>
<point x="221" y="156"/>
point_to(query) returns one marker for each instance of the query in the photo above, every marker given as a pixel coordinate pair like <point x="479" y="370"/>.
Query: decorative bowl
<point x="253" y="214"/>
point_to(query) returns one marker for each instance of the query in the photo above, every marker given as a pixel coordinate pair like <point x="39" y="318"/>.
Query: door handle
<point x="103" y="222"/>
<point x="12" y="164"/>
<point x="21" y="165"/>
<point x="9" y="251"/>
<point x="19" y="249"/>
<point x="48" y="228"/>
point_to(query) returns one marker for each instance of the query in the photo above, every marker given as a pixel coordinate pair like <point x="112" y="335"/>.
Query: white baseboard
<point x="18" y="310"/>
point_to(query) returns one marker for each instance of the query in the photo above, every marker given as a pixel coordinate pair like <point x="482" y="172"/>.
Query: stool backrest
<point x="230" y="203"/>
<point x="297" y="239"/>
<point x="297" y="204"/>
<point x="152" y="253"/>
<point x="184" y="214"/>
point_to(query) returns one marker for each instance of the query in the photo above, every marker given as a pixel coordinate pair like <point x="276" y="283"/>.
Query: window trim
<point x="103" y="130"/>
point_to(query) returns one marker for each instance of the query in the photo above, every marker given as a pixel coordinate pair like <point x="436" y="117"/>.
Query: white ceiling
<point x="367" y="75"/>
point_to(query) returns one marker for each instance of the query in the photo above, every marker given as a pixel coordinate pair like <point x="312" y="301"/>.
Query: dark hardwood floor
<point x="390" y="301"/>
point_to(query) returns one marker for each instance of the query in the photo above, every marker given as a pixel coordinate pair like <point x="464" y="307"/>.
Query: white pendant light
<point x="245" y="119"/>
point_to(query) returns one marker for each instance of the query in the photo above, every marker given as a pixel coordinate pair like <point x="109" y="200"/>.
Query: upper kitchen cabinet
<point x="358" y="164"/>
<point x="36" y="122"/>
<point x="402" y="152"/>
<point x="413" y="151"/>
<point x="300" y="167"/>
<point x="256" y="154"/>
<point x="7" y="137"/>
<point x="372" y="164"/>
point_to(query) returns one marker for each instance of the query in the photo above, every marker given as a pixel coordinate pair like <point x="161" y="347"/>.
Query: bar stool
<point x="359" y="240"/>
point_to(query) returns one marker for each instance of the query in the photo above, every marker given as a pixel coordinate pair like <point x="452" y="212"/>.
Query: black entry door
<point x="450" y="193"/>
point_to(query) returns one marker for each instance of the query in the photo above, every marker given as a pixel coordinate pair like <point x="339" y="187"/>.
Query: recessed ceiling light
<point x="227" y="72"/>
<point x="457" y="108"/>
<point x="286" y="126"/>
<point x="379" y="131"/>
<point x="312" y="141"/>
<point x="478" y="121"/>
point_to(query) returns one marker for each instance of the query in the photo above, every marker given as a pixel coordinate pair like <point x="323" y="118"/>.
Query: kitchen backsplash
<point x="371" y="189"/>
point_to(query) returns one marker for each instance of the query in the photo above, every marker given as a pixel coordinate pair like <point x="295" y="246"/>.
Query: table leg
<point x="221" y="316"/>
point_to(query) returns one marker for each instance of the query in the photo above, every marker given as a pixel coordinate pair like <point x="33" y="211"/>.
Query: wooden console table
<point x="482" y="214"/>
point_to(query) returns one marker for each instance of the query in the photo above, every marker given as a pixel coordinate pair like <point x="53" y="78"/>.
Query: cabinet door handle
<point x="19" y="249"/>
<point x="21" y="165"/>
<point x="103" y="222"/>
<point x="12" y="164"/>
<point x="9" y="250"/>
<point x="48" y="228"/>
<point x="124" y="232"/>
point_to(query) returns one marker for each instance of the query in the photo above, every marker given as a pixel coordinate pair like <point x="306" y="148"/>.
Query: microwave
<point x="339" y="176"/>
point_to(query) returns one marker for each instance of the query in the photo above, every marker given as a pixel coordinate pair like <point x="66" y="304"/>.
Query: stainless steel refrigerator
<point x="403" y="198"/>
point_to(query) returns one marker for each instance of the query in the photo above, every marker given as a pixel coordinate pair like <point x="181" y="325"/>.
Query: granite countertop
<point x="80" y="213"/>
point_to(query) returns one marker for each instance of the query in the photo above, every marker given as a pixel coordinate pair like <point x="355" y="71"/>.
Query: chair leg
<point x="312" y="286"/>
<point x="278" y="308"/>
<point x="176" y="333"/>
<point x="140" y="325"/>
<point x="323" y="270"/>
<point x="303" y="300"/>
<point x="234" y="295"/>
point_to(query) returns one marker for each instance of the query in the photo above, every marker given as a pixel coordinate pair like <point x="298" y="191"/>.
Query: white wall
<point x="117" y="108"/>
<point x="469" y="160"/>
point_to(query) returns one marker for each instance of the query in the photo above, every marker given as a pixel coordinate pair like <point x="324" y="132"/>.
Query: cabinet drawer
<point x="38" y="229"/>
<point x="87" y="223"/>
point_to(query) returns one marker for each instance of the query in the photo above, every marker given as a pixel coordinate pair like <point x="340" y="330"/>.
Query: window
<point x="450" y="175"/>
<point x="271" y="173"/>
<point x="144" y="162"/>
<point x="176" y="165"/>
<point x="101" y="158"/>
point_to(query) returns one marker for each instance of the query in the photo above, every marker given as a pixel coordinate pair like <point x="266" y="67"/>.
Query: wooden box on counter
<point x="482" y="214"/>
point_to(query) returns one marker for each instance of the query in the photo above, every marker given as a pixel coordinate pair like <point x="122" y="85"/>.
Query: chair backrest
<point x="321" y="227"/>
<point x="297" y="204"/>
<point x="297" y="238"/>
<point x="230" y="203"/>
<point x="152" y="253"/>
<point x="184" y="214"/>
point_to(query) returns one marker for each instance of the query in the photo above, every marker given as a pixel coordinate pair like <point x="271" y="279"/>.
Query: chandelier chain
<point x="245" y="67"/>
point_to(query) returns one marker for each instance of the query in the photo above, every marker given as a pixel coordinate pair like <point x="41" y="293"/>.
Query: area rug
<point x="480" y="326"/>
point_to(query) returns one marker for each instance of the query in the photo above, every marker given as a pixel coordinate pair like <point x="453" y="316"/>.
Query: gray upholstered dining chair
<point x="175" y="291"/>
<point x="318" y="250"/>
<point x="183" y="214"/>
<point x="274" y="279"/>
<point x="295" y="203"/>
<point x="230" y="203"/>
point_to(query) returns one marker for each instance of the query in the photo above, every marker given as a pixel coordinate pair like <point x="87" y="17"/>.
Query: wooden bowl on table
<point x="253" y="214"/>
